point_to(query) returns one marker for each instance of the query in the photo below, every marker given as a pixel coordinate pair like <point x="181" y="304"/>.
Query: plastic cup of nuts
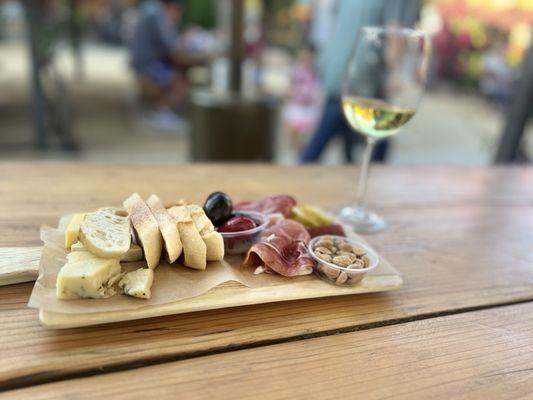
<point x="342" y="261"/>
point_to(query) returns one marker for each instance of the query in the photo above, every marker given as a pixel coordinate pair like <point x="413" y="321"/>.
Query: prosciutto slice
<point x="282" y="249"/>
<point x="282" y="204"/>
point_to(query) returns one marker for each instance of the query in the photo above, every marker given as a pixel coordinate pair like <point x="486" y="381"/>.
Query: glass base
<point x="360" y="220"/>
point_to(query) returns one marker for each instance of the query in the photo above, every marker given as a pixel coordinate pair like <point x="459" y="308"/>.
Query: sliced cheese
<point x="78" y="246"/>
<point x="87" y="276"/>
<point x="73" y="230"/>
<point x="138" y="283"/>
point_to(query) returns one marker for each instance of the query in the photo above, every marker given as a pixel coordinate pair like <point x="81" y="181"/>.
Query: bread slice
<point x="87" y="276"/>
<point x="194" y="248"/>
<point x="212" y="239"/>
<point x="146" y="229"/>
<point x="215" y="246"/>
<point x="138" y="283"/>
<point x="201" y="220"/>
<point x="168" y="228"/>
<point x="106" y="234"/>
<point x="135" y="253"/>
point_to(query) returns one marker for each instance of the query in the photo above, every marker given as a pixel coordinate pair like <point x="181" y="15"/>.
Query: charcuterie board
<point x="23" y="266"/>
<point x="98" y="267"/>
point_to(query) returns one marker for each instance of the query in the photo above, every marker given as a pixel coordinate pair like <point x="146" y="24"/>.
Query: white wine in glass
<point x="384" y="81"/>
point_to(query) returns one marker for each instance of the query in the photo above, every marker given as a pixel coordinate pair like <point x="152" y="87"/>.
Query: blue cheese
<point x="86" y="276"/>
<point x="138" y="283"/>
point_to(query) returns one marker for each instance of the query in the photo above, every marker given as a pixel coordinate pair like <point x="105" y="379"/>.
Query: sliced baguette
<point x="201" y="220"/>
<point x="146" y="229"/>
<point x="194" y="248"/>
<point x="215" y="246"/>
<point x="168" y="228"/>
<point x="135" y="253"/>
<point x="212" y="239"/>
<point x="105" y="234"/>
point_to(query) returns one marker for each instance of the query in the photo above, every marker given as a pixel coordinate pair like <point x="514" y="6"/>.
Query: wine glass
<point x="383" y="84"/>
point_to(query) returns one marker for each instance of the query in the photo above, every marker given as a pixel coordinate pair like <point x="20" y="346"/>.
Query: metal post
<point x="237" y="46"/>
<point x="34" y="10"/>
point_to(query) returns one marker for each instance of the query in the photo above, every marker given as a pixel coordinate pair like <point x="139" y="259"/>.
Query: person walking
<point x="349" y="16"/>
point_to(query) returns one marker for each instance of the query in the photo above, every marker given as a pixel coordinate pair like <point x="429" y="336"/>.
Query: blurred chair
<point x="520" y="110"/>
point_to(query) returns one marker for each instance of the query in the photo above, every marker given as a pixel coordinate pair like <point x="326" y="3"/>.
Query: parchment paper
<point x="171" y="282"/>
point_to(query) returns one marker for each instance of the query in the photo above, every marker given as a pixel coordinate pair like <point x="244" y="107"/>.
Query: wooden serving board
<point x="21" y="264"/>
<point x="231" y="294"/>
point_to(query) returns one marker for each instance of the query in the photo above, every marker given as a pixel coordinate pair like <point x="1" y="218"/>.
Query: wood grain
<point x="478" y="355"/>
<point x="461" y="237"/>
<point x="19" y="264"/>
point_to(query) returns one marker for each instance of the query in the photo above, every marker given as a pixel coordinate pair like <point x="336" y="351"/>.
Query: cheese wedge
<point x="73" y="230"/>
<point x="106" y="234"/>
<point x="212" y="239"/>
<point x="168" y="228"/>
<point x="146" y="229"/>
<point x="86" y="276"/>
<point x="78" y="246"/>
<point x="194" y="248"/>
<point x="135" y="253"/>
<point x="138" y="283"/>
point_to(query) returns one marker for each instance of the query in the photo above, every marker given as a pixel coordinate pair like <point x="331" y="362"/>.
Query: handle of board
<point x="19" y="264"/>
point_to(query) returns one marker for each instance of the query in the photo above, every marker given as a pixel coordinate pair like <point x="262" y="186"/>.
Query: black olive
<point x="218" y="207"/>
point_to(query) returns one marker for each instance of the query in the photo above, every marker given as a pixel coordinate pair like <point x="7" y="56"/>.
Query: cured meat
<point x="269" y="205"/>
<point x="282" y="249"/>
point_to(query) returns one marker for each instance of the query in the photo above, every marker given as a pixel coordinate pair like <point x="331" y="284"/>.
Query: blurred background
<point x="205" y="80"/>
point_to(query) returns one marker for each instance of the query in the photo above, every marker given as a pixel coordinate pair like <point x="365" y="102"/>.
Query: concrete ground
<point x="449" y="128"/>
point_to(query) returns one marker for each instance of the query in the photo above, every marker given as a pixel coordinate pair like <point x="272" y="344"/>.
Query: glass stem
<point x="363" y="174"/>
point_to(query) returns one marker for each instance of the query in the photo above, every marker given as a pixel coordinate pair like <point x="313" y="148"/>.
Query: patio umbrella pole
<point x="237" y="46"/>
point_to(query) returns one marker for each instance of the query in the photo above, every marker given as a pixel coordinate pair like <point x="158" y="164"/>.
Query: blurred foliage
<point x="200" y="13"/>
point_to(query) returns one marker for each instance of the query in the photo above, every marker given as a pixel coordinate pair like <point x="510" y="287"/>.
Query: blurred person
<point x="348" y="17"/>
<point x="301" y="111"/>
<point x="158" y="61"/>
<point x="497" y="75"/>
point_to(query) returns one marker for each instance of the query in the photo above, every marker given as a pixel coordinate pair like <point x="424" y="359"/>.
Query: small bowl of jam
<point x="242" y="230"/>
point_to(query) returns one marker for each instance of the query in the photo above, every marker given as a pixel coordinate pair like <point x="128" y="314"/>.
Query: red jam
<point x="237" y="224"/>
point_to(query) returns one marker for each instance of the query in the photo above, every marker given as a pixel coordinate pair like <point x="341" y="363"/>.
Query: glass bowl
<point x="240" y="242"/>
<point x="337" y="275"/>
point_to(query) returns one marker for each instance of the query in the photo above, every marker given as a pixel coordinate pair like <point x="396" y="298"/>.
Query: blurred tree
<point x="200" y="13"/>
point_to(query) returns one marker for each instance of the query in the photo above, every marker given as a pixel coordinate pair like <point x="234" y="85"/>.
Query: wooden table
<point x="461" y="327"/>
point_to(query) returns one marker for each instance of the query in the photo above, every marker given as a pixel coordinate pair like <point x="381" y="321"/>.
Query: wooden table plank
<point x="473" y="250"/>
<point x="478" y="355"/>
<point x="32" y="194"/>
